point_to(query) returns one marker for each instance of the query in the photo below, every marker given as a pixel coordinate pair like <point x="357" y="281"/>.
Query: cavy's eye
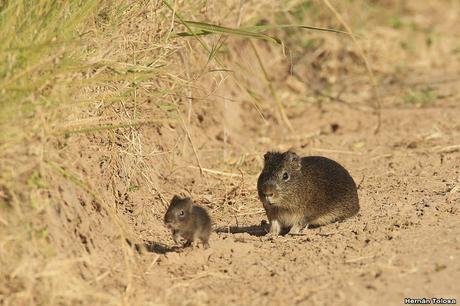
<point x="181" y="213"/>
<point x="285" y="176"/>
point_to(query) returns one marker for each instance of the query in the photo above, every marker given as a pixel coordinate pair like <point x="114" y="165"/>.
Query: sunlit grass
<point x="40" y="45"/>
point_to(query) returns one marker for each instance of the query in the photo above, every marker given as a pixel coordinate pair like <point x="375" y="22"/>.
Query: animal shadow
<point x="152" y="247"/>
<point x="253" y="230"/>
<point x="257" y="230"/>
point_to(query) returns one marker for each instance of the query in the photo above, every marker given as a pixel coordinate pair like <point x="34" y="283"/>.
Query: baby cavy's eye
<point x="181" y="213"/>
<point x="285" y="176"/>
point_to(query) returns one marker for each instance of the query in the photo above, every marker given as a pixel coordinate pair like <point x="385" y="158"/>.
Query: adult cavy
<point x="297" y="191"/>
<point x="188" y="222"/>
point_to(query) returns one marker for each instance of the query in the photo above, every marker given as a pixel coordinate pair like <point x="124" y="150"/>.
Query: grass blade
<point x="250" y="32"/>
<point x="212" y="28"/>
<point x="299" y="26"/>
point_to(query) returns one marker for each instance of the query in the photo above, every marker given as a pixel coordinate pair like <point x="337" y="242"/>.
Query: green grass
<point x="41" y="45"/>
<point x="420" y="97"/>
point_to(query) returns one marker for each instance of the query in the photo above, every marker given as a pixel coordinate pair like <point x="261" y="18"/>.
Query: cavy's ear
<point x="267" y="156"/>
<point x="293" y="159"/>
<point x="189" y="204"/>
<point x="175" y="198"/>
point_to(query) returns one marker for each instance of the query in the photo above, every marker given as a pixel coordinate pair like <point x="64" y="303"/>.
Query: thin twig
<point x="216" y="171"/>
<point x="336" y="151"/>
<point x="151" y="265"/>
<point x="449" y="149"/>
<point x="382" y="156"/>
<point x="259" y="212"/>
<point x="304" y="136"/>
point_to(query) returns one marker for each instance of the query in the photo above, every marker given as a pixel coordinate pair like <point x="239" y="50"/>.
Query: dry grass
<point x="101" y="98"/>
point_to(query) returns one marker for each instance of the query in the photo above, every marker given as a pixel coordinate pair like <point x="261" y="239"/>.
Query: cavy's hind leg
<point x="203" y="237"/>
<point x="297" y="228"/>
<point x="326" y="218"/>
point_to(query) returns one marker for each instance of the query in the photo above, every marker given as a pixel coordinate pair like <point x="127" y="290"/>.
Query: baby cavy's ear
<point x="188" y="203"/>
<point x="175" y="199"/>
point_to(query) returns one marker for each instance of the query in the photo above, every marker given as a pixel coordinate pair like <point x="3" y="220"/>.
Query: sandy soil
<point x="403" y="243"/>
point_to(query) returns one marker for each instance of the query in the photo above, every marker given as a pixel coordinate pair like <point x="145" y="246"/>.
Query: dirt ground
<point x="403" y="243"/>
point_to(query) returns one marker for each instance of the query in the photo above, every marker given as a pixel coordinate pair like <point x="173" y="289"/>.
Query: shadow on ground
<point x="258" y="230"/>
<point x="253" y="230"/>
<point x="152" y="247"/>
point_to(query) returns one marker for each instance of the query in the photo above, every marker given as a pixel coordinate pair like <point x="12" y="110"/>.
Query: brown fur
<point x="188" y="222"/>
<point x="299" y="191"/>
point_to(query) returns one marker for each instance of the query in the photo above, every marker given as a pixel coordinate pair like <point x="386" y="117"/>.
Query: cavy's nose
<point x="268" y="193"/>
<point x="269" y="190"/>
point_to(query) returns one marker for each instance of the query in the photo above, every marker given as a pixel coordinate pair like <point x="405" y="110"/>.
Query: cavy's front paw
<point x="179" y="240"/>
<point x="275" y="228"/>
